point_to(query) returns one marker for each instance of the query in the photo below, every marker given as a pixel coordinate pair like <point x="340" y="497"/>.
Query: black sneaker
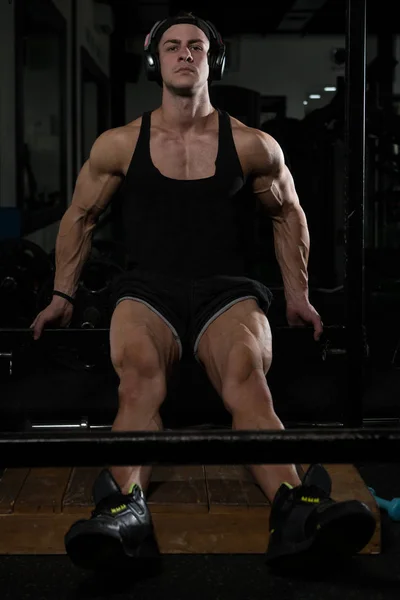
<point x="306" y="524"/>
<point x="119" y="529"/>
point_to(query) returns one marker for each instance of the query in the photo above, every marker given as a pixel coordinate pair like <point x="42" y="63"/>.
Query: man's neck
<point x="185" y="113"/>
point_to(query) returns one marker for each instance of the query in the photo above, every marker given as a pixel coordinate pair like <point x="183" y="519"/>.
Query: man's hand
<point x="300" y="313"/>
<point x="59" y="311"/>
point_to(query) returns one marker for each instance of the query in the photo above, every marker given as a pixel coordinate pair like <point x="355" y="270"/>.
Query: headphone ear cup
<point x="221" y="64"/>
<point x="157" y="70"/>
<point x="217" y="65"/>
<point x="218" y="70"/>
<point x="211" y="65"/>
<point x="217" y="56"/>
<point x="147" y="66"/>
<point x="152" y="67"/>
<point x="152" y="63"/>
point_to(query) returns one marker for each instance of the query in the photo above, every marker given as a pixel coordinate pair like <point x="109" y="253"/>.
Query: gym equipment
<point x="331" y="445"/>
<point x="392" y="506"/>
<point x="91" y="308"/>
<point x="107" y="259"/>
<point x="355" y="193"/>
<point x="24" y="267"/>
<point x="91" y="311"/>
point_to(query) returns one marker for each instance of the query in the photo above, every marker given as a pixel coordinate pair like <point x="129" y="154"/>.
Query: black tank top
<point x="188" y="228"/>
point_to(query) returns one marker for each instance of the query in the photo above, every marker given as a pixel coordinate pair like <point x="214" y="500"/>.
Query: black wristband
<point x="69" y="298"/>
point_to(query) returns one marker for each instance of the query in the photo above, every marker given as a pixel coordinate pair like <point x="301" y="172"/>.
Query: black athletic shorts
<point x="187" y="306"/>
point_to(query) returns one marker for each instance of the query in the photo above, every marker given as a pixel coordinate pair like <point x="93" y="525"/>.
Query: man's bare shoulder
<point x="252" y="137"/>
<point x="260" y="149"/>
<point x="113" y="146"/>
<point x="119" y="136"/>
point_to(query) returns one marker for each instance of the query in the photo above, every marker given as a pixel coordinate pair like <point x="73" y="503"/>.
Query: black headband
<point x="179" y="20"/>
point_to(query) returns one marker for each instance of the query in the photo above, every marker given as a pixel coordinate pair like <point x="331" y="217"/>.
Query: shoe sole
<point x="99" y="550"/>
<point x="345" y="529"/>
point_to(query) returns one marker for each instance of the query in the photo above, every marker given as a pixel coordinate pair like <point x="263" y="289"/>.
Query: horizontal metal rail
<point x="212" y="447"/>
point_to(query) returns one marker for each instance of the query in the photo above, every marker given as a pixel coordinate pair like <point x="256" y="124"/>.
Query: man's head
<point x="184" y="52"/>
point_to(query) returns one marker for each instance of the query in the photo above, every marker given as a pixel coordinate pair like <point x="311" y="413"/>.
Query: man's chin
<point x="182" y="88"/>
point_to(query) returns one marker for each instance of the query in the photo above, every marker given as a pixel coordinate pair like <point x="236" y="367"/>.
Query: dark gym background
<point x="71" y="69"/>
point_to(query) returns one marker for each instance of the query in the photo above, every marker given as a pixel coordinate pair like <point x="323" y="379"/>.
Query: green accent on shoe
<point x="288" y="485"/>
<point x="133" y="487"/>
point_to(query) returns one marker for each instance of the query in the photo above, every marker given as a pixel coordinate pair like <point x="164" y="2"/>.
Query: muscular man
<point x="183" y="169"/>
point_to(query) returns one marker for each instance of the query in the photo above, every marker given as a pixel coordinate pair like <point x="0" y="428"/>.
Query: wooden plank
<point x="78" y="495"/>
<point x="347" y="484"/>
<point x="199" y="533"/>
<point x="10" y="486"/>
<point x="36" y="527"/>
<point x="231" y="488"/>
<point x="216" y="533"/>
<point x="171" y="489"/>
<point x="177" y="489"/>
<point x="43" y="491"/>
<point x="187" y="533"/>
<point x="38" y="533"/>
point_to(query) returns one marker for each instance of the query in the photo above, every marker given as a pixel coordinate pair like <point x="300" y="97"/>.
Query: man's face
<point x="183" y="51"/>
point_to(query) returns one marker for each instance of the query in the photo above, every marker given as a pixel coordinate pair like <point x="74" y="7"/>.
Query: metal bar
<point x="52" y="331"/>
<point x="84" y="424"/>
<point x="355" y="203"/>
<point x="14" y="338"/>
<point x="211" y="447"/>
<point x="17" y="336"/>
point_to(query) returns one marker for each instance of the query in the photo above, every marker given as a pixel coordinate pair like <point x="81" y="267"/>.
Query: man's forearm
<point x="292" y="245"/>
<point x="73" y="247"/>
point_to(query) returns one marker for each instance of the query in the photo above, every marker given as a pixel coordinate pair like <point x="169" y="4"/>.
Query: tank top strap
<point x="143" y="142"/>
<point x="227" y="157"/>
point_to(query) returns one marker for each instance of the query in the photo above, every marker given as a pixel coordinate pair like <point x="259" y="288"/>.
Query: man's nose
<point x="185" y="55"/>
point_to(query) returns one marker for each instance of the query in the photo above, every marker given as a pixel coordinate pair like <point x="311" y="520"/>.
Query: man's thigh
<point x="139" y="335"/>
<point x="243" y="326"/>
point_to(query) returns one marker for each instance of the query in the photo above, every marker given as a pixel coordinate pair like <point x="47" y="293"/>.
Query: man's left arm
<point x="274" y="186"/>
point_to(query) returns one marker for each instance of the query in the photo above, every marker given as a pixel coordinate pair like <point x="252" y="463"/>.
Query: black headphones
<point x="216" y="58"/>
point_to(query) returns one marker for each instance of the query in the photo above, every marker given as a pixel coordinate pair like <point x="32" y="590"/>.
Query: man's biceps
<point x="287" y="192"/>
<point x="271" y="203"/>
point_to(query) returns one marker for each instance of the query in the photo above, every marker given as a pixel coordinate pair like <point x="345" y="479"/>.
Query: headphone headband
<point x="216" y="52"/>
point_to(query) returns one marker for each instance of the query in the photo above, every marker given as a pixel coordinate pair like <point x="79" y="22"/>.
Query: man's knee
<point x="139" y="352"/>
<point x="245" y="358"/>
<point x="244" y="386"/>
<point x="142" y="372"/>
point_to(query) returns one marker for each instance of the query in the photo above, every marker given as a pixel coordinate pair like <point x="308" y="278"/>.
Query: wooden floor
<point x="195" y="509"/>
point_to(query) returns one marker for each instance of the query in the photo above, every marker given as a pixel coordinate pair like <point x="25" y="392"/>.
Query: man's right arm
<point x="98" y="180"/>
